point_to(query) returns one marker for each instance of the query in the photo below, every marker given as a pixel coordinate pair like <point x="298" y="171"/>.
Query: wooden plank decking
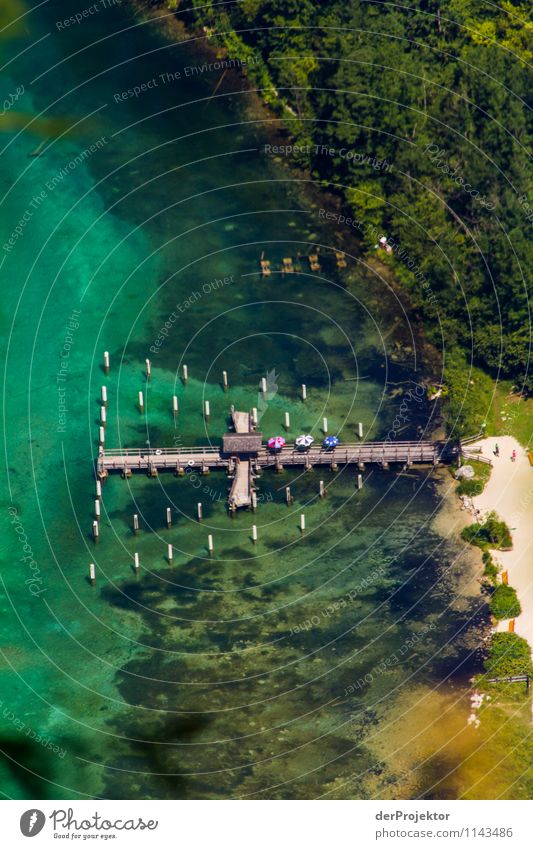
<point x="242" y="486"/>
<point x="249" y="455"/>
<point x="242" y="422"/>
<point x="171" y="459"/>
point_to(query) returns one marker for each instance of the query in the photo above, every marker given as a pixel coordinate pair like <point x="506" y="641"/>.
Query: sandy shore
<point x="510" y="493"/>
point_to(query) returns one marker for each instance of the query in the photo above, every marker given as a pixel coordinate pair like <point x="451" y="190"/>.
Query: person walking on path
<point x="513" y="456"/>
<point x="496" y="450"/>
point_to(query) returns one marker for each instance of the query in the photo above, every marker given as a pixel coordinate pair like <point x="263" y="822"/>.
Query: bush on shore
<point x="492" y="533"/>
<point x="491" y="570"/>
<point x="504" y="603"/>
<point x="509" y="654"/>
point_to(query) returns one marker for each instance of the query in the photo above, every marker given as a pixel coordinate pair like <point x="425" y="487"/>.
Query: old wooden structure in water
<point x="243" y="454"/>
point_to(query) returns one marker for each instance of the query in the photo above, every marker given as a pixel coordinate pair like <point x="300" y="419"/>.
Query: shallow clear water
<point x="326" y="663"/>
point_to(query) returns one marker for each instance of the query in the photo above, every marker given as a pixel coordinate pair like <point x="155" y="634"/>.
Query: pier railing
<point x="157" y="452"/>
<point x="212" y="457"/>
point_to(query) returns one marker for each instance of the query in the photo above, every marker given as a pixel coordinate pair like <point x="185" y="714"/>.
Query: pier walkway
<point x="174" y="459"/>
<point x="243" y="454"/>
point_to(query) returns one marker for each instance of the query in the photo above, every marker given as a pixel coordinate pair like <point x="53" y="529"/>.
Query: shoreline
<point x="175" y="29"/>
<point x="509" y="492"/>
<point x="305" y="187"/>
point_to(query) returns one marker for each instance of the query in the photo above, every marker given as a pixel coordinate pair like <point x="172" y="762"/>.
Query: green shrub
<point x="470" y="487"/>
<point x="491" y="570"/>
<point x="509" y="654"/>
<point x="476" y="485"/>
<point x="504" y="603"/>
<point x="492" y="533"/>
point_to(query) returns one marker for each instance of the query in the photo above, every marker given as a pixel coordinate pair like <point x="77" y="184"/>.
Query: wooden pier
<point x="174" y="459"/>
<point x="242" y="488"/>
<point x="241" y="446"/>
<point x="243" y="454"/>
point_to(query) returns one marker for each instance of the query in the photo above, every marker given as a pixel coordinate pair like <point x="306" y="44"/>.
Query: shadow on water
<point x="149" y="769"/>
<point x="27" y="768"/>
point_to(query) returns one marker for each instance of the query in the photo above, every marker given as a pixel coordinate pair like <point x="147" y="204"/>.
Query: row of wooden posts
<point x="207" y="413"/>
<point x="170" y="549"/>
<point x="185" y="376"/>
<point x="199" y="511"/>
<point x="322" y="491"/>
<point x="185" y="373"/>
<point x="207" y="406"/>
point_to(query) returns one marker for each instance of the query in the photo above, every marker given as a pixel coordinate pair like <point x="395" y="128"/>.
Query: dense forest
<point x="419" y="116"/>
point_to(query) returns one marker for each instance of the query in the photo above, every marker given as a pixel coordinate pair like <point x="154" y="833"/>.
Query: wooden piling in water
<point x="106" y="362"/>
<point x="225" y="381"/>
<point x="324" y="425"/>
<point x="97" y="508"/>
<point x="148" y="369"/>
<point x="254" y="534"/>
<point x="304" y="392"/>
<point x="359" y="482"/>
<point x="96" y="531"/>
<point x="199" y="511"/>
<point x="135" y="523"/>
<point x="98" y="489"/>
<point x="321" y="489"/>
<point x="288" y="496"/>
<point x="210" y="546"/>
<point x="175" y="408"/>
<point x="169" y="517"/>
<point x="102" y="436"/>
<point x="104" y="395"/>
<point x="287" y="421"/>
<point x="92" y="574"/>
<point x="207" y="410"/>
<point x="103" y="415"/>
<point x="254" y="416"/>
<point x="136" y="564"/>
<point x="360" y="430"/>
<point x="185" y="374"/>
<point x="263" y="385"/>
<point x="169" y="553"/>
<point x="302" y="521"/>
<point x="141" y="402"/>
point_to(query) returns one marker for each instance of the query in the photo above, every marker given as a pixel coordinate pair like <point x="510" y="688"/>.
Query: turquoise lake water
<point x="296" y="668"/>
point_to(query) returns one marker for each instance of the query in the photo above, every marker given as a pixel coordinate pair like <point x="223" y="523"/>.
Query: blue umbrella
<point x="331" y="442"/>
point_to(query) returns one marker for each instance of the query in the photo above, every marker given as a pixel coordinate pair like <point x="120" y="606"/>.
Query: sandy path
<point x="510" y="493"/>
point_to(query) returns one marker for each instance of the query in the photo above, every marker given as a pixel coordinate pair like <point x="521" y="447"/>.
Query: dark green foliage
<point x="504" y="603"/>
<point x="492" y="533"/>
<point x="509" y="654"/>
<point x="440" y="90"/>
<point x="469" y="397"/>
<point x="491" y="570"/>
<point x="470" y="487"/>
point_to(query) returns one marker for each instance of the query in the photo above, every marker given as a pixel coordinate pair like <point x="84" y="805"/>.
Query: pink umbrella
<point x="276" y="442"/>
